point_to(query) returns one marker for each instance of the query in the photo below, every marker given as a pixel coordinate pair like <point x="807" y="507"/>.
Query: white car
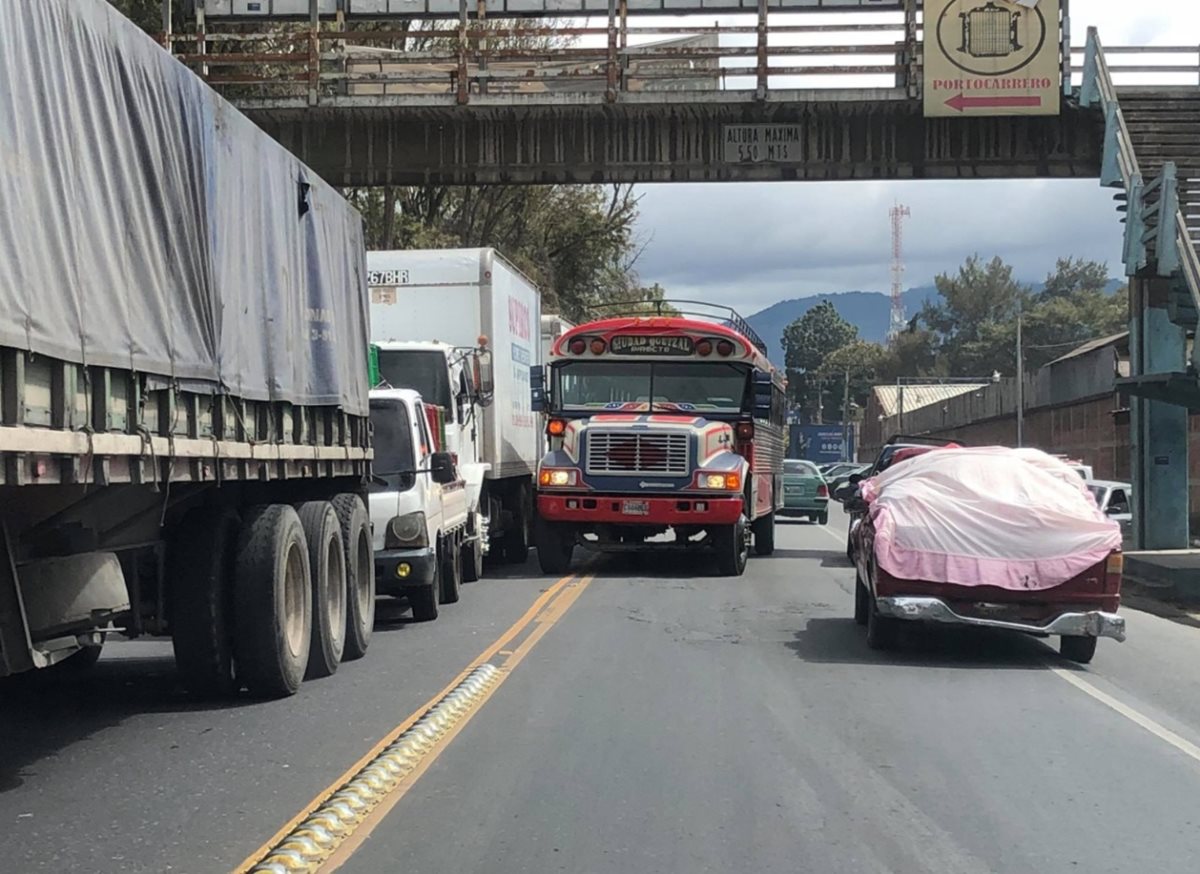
<point x="1115" y="499"/>
<point x="419" y="507"/>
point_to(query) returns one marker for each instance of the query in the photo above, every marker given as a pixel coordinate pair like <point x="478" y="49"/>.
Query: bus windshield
<point x="674" y="386"/>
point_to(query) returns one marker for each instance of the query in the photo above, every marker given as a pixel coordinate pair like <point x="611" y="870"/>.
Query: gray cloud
<point x="750" y="245"/>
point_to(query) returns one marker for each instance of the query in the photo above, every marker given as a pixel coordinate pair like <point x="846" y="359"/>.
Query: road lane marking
<point x="545" y="621"/>
<point x="535" y="611"/>
<point x="1155" y="728"/>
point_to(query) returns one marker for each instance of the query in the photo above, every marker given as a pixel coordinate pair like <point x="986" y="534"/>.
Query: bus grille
<point x="624" y="452"/>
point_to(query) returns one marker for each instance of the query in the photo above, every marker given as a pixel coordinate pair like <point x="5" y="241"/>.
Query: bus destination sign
<point x="633" y="344"/>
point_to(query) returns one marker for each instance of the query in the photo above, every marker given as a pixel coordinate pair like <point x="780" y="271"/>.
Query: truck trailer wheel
<point x="327" y="564"/>
<point x="555" y="544"/>
<point x="764" y="534"/>
<point x="451" y="561"/>
<point x="1078" y="649"/>
<point x="732" y="548"/>
<point x="360" y="574"/>
<point x="200" y="568"/>
<point x="273" y="602"/>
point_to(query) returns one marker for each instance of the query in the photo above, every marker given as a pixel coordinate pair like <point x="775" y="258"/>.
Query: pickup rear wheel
<point x="327" y="565"/>
<point x="451" y="561"/>
<point x="1078" y="649"/>
<point x="273" y="601"/>
<point x="732" y="548"/>
<point x="360" y="574"/>
<point x="881" y="630"/>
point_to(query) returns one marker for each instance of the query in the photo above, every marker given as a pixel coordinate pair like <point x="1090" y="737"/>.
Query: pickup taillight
<point x="1113" y="569"/>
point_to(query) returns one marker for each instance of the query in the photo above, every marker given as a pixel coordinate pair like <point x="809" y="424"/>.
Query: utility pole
<point x="846" y="417"/>
<point x="1020" y="385"/>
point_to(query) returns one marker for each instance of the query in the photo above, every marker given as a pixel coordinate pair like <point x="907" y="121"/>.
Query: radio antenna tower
<point x="899" y="318"/>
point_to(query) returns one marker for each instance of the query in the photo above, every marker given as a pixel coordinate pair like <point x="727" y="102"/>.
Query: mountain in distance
<point x="869" y="311"/>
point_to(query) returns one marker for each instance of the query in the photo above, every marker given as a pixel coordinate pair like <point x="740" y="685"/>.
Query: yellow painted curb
<point x="306" y="847"/>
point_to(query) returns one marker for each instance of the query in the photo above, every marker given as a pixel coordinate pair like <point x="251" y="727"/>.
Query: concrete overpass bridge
<point x="371" y="92"/>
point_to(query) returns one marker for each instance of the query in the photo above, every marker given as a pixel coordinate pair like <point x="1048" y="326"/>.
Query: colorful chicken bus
<point x="658" y="425"/>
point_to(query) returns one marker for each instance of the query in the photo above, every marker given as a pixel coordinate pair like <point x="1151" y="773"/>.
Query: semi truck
<point x="462" y="328"/>
<point x="184" y="432"/>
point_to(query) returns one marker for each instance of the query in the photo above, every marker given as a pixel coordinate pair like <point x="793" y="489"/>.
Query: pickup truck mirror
<point x="441" y="468"/>
<point x="845" y="493"/>
<point x="537" y="388"/>
<point x="484" y="376"/>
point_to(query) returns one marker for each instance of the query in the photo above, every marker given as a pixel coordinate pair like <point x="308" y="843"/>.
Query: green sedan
<point x="804" y="491"/>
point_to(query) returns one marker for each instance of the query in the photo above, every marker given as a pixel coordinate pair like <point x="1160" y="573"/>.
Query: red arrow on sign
<point x="962" y="102"/>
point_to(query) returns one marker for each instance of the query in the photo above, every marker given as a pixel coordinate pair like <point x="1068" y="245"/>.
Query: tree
<point x="807" y="342"/>
<point x="860" y="362"/>
<point x="576" y="242"/>
<point x="1072" y="276"/>
<point x="147" y="14"/>
<point x="975" y="322"/>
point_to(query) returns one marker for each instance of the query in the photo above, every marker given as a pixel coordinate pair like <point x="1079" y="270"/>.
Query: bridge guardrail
<point x="475" y="57"/>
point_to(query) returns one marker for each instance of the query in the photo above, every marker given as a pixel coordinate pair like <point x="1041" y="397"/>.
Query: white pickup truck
<point x="419" y="508"/>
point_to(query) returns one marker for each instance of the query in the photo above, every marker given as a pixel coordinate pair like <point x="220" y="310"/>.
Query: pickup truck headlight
<point x="406" y="532"/>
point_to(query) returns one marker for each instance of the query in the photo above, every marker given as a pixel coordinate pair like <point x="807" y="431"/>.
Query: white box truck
<point x="441" y="317"/>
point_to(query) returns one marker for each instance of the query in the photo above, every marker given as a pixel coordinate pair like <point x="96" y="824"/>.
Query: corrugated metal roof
<point x="1092" y="346"/>
<point x="917" y="396"/>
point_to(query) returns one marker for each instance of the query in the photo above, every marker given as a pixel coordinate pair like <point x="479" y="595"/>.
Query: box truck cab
<point x="462" y="327"/>
<point x="419" y="508"/>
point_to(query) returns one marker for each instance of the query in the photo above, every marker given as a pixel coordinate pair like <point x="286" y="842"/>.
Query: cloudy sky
<point x="752" y="244"/>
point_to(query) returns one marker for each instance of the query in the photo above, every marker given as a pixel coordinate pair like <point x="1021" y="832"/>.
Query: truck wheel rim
<point x="295" y="595"/>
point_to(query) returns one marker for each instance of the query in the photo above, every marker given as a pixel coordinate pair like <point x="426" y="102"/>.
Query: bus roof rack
<point x="696" y="309"/>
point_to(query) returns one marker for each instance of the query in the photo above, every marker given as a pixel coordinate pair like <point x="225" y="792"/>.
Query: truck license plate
<point x="636" y="508"/>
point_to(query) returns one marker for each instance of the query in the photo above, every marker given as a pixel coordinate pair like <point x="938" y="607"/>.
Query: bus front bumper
<point x="640" y="509"/>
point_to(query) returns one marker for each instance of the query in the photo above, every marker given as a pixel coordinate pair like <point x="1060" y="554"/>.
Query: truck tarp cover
<point x="1014" y="518"/>
<point x="146" y="224"/>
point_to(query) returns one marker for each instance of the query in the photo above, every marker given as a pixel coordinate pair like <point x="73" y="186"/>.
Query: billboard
<point x="820" y="443"/>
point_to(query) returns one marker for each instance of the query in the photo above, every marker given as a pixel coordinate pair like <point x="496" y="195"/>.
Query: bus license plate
<point x="636" y="508"/>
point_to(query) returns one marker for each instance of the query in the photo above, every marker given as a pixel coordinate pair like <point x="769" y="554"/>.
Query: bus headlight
<point x="727" y="482"/>
<point x="559" y="477"/>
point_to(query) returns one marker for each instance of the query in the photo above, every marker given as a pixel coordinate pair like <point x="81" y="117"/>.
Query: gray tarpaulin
<point x="146" y="224"/>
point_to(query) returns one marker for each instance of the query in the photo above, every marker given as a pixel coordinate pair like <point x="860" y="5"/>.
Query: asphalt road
<point x="668" y="721"/>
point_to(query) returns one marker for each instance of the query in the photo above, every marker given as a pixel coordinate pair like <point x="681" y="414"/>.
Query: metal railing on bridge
<point x="390" y="62"/>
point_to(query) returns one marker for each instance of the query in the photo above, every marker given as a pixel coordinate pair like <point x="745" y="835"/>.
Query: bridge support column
<point x="1159" y="438"/>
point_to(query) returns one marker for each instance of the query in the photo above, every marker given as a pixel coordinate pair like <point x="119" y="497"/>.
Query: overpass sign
<point x="992" y="57"/>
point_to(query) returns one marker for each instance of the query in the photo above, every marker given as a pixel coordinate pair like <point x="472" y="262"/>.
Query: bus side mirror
<point x="763" y="389"/>
<point x="537" y="388"/>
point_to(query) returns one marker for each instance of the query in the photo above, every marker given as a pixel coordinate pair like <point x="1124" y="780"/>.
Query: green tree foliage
<point x="972" y="330"/>
<point x="859" y="362"/>
<point x="807" y="342"/>
<point x="577" y="242"/>
<point x="972" y="321"/>
<point x="147" y="14"/>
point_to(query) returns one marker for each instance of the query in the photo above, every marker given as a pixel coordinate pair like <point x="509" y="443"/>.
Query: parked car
<point x="1029" y="551"/>
<point x="838" y="478"/>
<point x="805" y="492"/>
<point x="1115" y="500"/>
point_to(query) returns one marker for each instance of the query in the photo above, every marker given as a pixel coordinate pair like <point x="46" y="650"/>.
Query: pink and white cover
<point x="1018" y="519"/>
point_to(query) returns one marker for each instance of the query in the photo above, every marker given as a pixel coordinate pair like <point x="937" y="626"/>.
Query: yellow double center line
<point x="336" y="822"/>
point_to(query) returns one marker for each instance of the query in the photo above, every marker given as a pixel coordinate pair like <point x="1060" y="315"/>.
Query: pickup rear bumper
<point x="1092" y="623"/>
<point x="614" y="509"/>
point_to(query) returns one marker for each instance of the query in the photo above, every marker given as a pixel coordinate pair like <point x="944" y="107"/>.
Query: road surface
<point x="653" y="718"/>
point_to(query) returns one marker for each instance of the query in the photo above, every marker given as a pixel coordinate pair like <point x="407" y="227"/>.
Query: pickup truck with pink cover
<point x="990" y="537"/>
